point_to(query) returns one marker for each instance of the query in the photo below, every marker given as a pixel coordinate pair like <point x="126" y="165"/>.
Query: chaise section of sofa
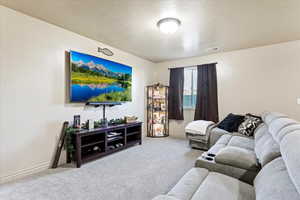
<point x="204" y="142"/>
<point x="279" y="179"/>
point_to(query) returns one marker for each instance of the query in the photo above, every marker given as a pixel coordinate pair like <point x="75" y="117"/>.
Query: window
<point x="190" y="87"/>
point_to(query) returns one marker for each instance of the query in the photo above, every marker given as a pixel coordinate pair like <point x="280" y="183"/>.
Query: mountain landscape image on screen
<point x="95" y="79"/>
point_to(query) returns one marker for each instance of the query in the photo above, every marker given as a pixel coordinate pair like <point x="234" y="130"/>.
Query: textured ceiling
<point x="130" y="25"/>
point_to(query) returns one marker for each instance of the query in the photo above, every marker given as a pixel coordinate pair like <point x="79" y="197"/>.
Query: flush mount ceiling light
<point x="168" y="25"/>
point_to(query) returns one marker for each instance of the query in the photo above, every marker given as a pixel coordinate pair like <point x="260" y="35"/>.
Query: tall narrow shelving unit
<point x="157" y="111"/>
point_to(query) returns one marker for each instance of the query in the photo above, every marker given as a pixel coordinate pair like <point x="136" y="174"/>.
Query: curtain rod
<point x="192" y="66"/>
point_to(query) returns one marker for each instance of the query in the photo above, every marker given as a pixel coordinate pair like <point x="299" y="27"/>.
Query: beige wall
<point x="251" y="80"/>
<point x="33" y="90"/>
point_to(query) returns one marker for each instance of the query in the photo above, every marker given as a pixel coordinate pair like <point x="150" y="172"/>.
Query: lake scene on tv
<point x="95" y="79"/>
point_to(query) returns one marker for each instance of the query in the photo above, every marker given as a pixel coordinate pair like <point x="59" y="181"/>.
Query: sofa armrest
<point x="215" y="134"/>
<point x="164" y="197"/>
<point x="237" y="157"/>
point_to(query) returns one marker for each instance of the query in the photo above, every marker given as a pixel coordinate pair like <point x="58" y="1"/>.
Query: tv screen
<point x="96" y="79"/>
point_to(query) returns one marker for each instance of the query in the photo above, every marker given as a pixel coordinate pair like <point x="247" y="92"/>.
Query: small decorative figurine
<point x="76" y="123"/>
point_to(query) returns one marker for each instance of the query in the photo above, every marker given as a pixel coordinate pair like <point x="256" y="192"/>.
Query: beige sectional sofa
<point x="266" y="167"/>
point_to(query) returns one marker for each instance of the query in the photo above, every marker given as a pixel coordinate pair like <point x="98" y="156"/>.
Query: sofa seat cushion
<point x="274" y="183"/>
<point x="216" y="148"/>
<point x="237" y="141"/>
<point x="218" y="186"/>
<point x="216" y="133"/>
<point x="238" y="157"/>
<point x="242" y="142"/>
<point x="232" y="140"/>
<point x="189" y="183"/>
<point x="244" y="147"/>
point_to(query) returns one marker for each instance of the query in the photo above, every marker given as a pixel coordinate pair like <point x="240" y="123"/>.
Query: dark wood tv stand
<point x="96" y="143"/>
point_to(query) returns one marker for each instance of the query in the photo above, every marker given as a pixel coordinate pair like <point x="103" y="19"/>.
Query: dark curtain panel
<point x="207" y="93"/>
<point x="176" y="93"/>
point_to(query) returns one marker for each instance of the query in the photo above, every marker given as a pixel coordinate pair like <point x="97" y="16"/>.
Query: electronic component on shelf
<point x="113" y="134"/>
<point x="96" y="148"/>
<point x="119" y="145"/>
<point x="111" y="147"/>
<point x="114" y="138"/>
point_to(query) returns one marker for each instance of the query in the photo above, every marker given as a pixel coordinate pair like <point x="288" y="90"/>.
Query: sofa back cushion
<point x="273" y="182"/>
<point x="268" y="136"/>
<point x="290" y="151"/>
<point x="260" y="131"/>
<point x="280" y="178"/>
<point x="266" y="148"/>
<point x="288" y="129"/>
<point x="268" y="117"/>
<point x="277" y="125"/>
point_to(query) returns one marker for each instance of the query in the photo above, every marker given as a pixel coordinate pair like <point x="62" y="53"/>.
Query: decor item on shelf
<point x="98" y="80"/>
<point x="90" y="124"/>
<point x="129" y="119"/>
<point x="97" y="124"/>
<point x="105" y="51"/>
<point x="104" y="122"/>
<point x="117" y="121"/>
<point x="157" y="111"/>
<point x="76" y="122"/>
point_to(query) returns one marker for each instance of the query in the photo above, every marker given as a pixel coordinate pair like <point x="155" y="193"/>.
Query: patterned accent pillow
<point x="249" y="125"/>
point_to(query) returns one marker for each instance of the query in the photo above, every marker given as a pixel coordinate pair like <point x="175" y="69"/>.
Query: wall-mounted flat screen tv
<point x="96" y="79"/>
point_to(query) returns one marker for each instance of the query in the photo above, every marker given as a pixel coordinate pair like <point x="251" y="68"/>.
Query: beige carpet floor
<point x="138" y="173"/>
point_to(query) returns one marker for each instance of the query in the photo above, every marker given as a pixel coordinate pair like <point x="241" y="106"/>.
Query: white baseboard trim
<point x="24" y="172"/>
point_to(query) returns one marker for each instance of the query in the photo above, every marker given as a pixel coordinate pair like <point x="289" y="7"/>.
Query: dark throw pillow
<point x="231" y="123"/>
<point x="249" y="125"/>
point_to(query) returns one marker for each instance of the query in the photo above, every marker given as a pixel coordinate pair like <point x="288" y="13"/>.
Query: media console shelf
<point x="96" y="143"/>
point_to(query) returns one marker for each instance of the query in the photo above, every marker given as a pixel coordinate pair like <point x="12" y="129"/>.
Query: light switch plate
<point x="298" y="101"/>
